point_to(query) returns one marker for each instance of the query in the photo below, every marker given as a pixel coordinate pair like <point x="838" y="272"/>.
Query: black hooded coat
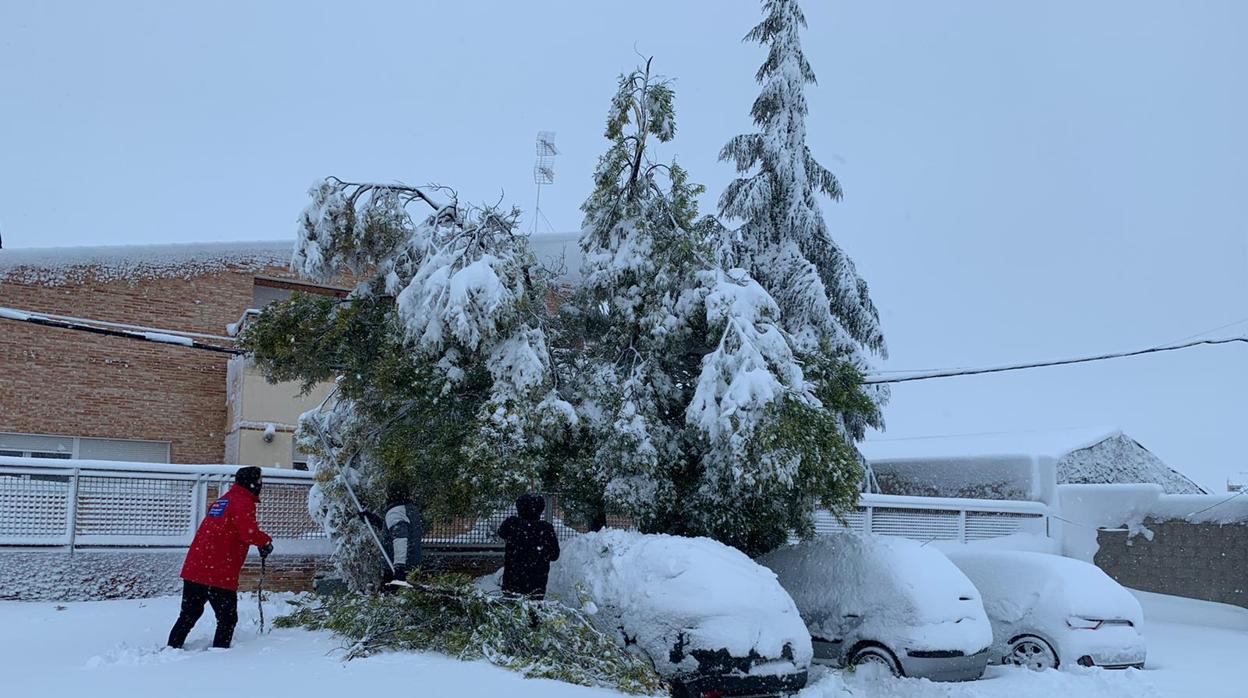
<point x="531" y="547"/>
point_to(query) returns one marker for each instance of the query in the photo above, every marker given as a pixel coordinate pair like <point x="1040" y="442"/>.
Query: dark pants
<point x="224" y="605"/>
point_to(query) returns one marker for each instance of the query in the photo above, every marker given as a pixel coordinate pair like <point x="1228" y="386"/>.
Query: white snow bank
<point x="1163" y="608"/>
<point x="902" y="593"/>
<point x="54" y="266"/>
<point x="998" y="682"/>
<point x="660" y="591"/>
<point x="114" y="649"/>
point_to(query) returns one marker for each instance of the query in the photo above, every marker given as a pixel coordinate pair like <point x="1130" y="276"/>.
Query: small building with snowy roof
<point x="1016" y="465"/>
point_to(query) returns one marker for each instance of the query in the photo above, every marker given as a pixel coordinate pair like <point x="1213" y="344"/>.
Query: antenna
<point x="543" y="169"/>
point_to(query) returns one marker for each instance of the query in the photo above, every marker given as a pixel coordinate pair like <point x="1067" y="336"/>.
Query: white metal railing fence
<point x="940" y="518"/>
<point x="104" y="504"/>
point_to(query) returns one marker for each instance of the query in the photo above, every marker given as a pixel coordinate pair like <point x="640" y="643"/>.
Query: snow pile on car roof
<point x="1037" y="594"/>
<point x="902" y="593"/>
<point x="1015" y="583"/>
<point x="672" y="596"/>
<point x="54" y="266"/>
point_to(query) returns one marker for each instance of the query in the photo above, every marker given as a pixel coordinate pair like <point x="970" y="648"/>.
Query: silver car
<point x="886" y="603"/>
<point x="1049" y="611"/>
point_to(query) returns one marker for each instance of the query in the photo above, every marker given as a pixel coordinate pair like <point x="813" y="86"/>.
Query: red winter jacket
<point x="220" y="546"/>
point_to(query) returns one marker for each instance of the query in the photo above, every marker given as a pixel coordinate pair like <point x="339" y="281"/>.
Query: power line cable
<point x="877" y="379"/>
<point x="1215" y="329"/>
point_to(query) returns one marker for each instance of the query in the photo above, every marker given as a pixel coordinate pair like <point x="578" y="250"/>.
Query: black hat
<point x="249" y="477"/>
<point x="530" y="506"/>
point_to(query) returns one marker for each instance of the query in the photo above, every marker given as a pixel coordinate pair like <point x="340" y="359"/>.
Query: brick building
<point x="71" y="394"/>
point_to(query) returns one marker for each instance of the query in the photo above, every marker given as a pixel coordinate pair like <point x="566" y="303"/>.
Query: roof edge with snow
<point x="55" y="266"/>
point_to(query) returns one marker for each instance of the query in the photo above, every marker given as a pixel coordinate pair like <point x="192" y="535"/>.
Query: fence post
<point x="73" y="508"/>
<point x="962" y="526"/>
<point x="866" y="520"/>
<point x="199" y="502"/>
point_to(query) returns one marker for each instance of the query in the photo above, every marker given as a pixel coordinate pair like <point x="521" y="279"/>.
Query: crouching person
<point x="217" y="554"/>
<point x="402" y="532"/>
<point x="531" y="547"/>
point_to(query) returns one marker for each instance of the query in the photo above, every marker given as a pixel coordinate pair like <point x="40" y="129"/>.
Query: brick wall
<point x="55" y="381"/>
<point x="1201" y="561"/>
<point x="284" y="572"/>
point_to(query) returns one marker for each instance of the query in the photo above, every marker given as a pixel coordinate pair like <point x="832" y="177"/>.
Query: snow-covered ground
<point x="109" y="649"/>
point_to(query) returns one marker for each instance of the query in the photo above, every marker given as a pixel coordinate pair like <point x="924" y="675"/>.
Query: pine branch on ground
<point x="450" y="615"/>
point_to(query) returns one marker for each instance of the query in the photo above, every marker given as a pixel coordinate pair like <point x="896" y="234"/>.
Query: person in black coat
<point x="531" y="547"/>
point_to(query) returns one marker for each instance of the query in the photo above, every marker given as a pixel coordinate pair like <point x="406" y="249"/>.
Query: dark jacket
<point x="531" y="547"/>
<point x="401" y="533"/>
<point x="220" y="546"/>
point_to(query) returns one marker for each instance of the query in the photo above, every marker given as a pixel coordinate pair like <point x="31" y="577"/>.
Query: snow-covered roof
<point x="55" y="266"/>
<point x="1053" y="443"/>
<point x="59" y="265"/>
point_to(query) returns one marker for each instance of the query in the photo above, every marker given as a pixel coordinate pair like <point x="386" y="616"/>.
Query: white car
<point x="710" y="619"/>
<point x="1049" y="611"/>
<point x="889" y="602"/>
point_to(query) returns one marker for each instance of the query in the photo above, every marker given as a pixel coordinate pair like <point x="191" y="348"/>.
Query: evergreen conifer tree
<point x="784" y="241"/>
<point x="696" y="417"/>
<point x="445" y="386"/>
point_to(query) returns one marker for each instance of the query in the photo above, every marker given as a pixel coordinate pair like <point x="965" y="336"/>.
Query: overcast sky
<point x="1023" y="180"/>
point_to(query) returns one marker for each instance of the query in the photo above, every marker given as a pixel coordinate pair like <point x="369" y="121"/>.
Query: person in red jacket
<point x="210" y="573"/>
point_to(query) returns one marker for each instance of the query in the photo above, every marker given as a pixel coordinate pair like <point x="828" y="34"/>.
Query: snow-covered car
<point x="883" y="602"/>
<point x="1048" y="611"/>
<point x="710" y="619"/>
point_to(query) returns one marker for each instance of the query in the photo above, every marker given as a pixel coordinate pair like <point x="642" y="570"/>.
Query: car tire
<point x="1032" y="652"/>
<point x="875" y="656"/>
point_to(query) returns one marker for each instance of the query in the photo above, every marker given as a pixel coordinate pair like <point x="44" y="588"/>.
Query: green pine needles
<point x="450" y="615"/>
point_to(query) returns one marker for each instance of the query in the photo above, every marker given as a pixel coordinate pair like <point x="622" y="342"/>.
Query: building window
<point x="298" y="459"/>
<point x="34" y="454"/>
<point x="268" y="290"/>
<point x="83" y="447"/>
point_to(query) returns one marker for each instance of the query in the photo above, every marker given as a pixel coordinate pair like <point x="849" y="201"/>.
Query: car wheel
<point x="874" y="661"/>
<point x="1031" y="652"/>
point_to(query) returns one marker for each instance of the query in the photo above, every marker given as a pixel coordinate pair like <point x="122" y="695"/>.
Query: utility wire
<point x="876" y="379"/>
<point x="1215" y="329"/>
<point x="175" y="338"/>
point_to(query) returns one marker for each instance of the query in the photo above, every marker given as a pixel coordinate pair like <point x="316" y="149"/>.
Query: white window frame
<point x="76" y="445"/>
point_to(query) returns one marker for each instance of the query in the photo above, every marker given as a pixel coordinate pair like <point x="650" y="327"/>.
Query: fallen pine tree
<point x="451" y="615"/>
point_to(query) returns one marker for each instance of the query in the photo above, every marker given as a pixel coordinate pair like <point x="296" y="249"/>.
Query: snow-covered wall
<point x="1185" y="545"/>
<point x="88" y="576"/>
<point x="94" y="575"/>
